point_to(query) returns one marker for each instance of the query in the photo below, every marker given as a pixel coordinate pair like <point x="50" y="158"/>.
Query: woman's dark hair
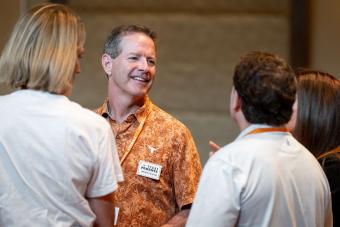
<point x="318" y="112"/>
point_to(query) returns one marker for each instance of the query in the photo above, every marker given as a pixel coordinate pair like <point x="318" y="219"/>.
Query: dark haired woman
<point x="317" y="125"/>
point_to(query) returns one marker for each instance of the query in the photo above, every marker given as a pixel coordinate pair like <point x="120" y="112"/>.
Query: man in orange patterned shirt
<point x="158" y="155"/>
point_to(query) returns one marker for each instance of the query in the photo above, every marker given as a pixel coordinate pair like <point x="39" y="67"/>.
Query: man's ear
<point x="107" y="64"/>
<point x="236" y="102"/>
<point x="236" y="110"/>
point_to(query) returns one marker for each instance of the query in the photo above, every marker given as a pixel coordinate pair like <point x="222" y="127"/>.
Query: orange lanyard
<point x="334" y="151"/>
<point x="261" y="130"/>
<point x="135" y="136"/>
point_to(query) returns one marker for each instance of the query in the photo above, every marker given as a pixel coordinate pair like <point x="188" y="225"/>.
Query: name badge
<point x="116" y="215"/>
<point x="148" y="169"/>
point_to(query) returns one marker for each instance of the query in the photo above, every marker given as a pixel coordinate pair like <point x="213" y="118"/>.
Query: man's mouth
<point x="141" y="78"/>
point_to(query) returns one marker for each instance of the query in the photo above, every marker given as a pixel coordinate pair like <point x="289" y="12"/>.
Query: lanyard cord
<point x="334" y="151"/>
<point x="135" y="136"/>
<point x="261" y="130"/>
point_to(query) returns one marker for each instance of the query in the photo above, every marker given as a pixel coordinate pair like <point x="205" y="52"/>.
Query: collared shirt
<point x="264" y="179"/>
<point x="164" y="141"/>
<point x="53" y="155"/>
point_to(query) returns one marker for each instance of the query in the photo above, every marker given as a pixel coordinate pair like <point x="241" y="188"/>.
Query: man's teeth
<point x="139" y="79"/>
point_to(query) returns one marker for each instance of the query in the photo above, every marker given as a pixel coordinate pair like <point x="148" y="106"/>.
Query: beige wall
<point x="9" y="13"/>
<point x="199" y="43"/>
<point x="325" y="42"/>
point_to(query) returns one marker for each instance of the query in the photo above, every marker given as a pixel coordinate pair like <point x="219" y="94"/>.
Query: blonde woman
<point x="58" y="166"/>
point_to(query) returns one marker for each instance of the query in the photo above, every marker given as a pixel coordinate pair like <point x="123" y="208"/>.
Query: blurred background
<point x="199" y="42"/>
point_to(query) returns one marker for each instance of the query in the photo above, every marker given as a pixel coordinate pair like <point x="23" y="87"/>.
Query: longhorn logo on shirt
<point x="152" y="149"/>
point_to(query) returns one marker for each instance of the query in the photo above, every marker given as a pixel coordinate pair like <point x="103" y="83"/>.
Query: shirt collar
<point x="139" y="115"/>
<point x="251" y="128"/>
<point x="142" y="112"/>
<point x="103" y="110"/>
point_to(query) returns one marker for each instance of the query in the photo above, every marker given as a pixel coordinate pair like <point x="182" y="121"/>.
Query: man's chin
<point x="140" y="94"/>
<point x="141" y="91"/>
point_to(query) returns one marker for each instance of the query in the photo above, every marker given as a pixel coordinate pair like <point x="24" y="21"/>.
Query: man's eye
<point x="133" y="58"/>
<point x="152" y="62"/>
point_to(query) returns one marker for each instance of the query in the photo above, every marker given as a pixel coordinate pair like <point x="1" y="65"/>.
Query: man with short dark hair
<point x="265" y="177"/>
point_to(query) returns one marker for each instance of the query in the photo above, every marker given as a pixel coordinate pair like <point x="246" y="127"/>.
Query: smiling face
<point x="132" y="72"/>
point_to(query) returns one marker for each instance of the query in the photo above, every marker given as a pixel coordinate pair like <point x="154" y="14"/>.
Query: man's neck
<point x="120" y="107"/>
<point x="243" y="125"/>
<point x="240" y="120"/>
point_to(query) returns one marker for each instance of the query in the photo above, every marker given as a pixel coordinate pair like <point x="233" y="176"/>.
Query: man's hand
<point x="179" y="220"/>
<point x="214" y="148"/>
<point x="103" y="207"/>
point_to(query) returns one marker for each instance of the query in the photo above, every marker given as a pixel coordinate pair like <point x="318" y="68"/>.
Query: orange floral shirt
<point x="165" y="141"/>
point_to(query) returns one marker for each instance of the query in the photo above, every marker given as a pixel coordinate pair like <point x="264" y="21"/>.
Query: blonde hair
<point x="41" y="53"/>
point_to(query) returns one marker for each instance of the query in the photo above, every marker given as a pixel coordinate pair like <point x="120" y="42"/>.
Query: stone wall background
<point x="199" y="42"/>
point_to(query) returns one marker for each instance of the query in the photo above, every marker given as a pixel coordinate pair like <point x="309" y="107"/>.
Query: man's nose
<point x="143" y="64"/>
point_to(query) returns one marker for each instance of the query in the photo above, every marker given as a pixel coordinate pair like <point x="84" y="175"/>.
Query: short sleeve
<point x="116" y="162"/>
<point x="107" y="171"/>
<point x="217" y="201"/>
<point x="187" y="169"/>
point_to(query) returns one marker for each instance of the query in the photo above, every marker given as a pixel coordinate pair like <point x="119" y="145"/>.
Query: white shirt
<point x="53" y="154"/>
<point x="263" y="179"/>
